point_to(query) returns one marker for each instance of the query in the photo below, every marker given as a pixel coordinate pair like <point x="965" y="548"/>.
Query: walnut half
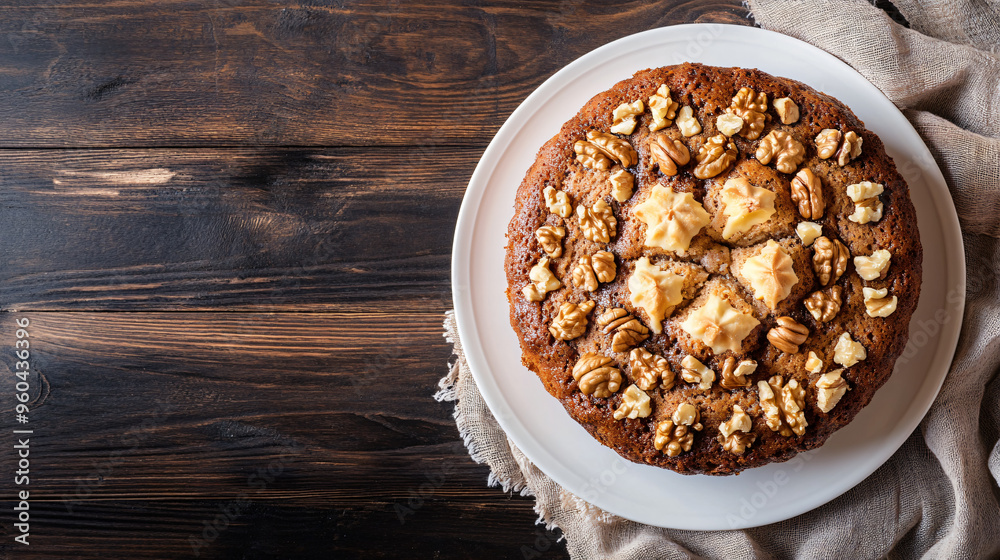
<point x="635" y="404"/>
<point x="829" y="259"/>
<point x="550" y="239"/>
<point x="783" y="405"/>
<point x="752" y="108"/>
<point x="628" y="331"/>
<point x="648" y="368"/>
<point x="824" y="305"/>
<point x="674" y="436"/>
<point x="714" y="157"/>
<point x="781" y="146"/>
<point x="571" y="321"/>
<point x="596" y="375"/>
<point x="668" y="155"/>
<point x="788" y="335"/>
<point x="807" y="193"/>
<point x="598" y="222"/>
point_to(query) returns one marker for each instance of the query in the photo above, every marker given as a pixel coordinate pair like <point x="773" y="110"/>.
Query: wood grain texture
<point x="184" y="73"/>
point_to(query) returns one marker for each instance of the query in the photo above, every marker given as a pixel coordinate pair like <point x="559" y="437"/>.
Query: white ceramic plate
<point x="537" y="423"/>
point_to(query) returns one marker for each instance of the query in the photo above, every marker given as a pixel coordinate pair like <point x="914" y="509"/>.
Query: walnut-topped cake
<point x="712" y="268"/>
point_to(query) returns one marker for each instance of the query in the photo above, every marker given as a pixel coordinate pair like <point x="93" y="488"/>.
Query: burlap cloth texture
<point x="937" y="497"/>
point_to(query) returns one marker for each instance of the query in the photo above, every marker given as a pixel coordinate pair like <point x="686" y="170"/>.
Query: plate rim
<point x="494" y="152"/>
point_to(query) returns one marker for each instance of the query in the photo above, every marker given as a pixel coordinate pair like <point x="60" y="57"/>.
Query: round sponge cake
<point x="712" y="268"/>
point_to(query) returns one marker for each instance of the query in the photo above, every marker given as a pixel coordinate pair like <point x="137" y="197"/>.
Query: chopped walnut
<point x="751" y="107"/>
<point x="824" y="305"/>
<point x="847" y="352"/>
<point x="875" y="266"/>
<point x="813" y="363"/>
<point x="597" y="376"/>
<point x="668" y="154"/>
<point x="674" y="436"/>
<point x="598" y="223"/>
<point x="604" y="266"/>
<point x="693" y="371"/>
<point x="783" y="405"/>
<point x="672" y="219"/>
<point x="867" y="206"/>
<point x="648" y="369"/>
<point x="624" y="117"/>
<point x="728" y="123"/>
<point x="826" y="142"/>
<point x="662" y="108"/>
<point x="628" y="331"/>
<point x="877" y="304"/>
<point x="655" y="290"/>
<point x="788" y="335"/>
<point x="687" y="123"/>
<point x="807" y="193"/>
<point x="736" y="374"/>
<point x="734" y="434"/>
<point x="787" y="110"/>
<point x="614" y="147"/>
<point x="590" y="156"/>
<point x="850" y="149"/>
<point x="635" y="404"/>
<point x="719" y="325"/>
<point x="714" y="157"/>
<point x="558" y="202"/>
<point x="571" y="321"/>
<point x="550" y="239"/>
<point x="744" y="206"/>
<point x="622" y="183"/>
<point x="829" y="260"/>
<point x="542" y="281"/>
<point x="830" y="388"/>
<point x="583" y="274"/>
<point x="784" y="148"/>
<point x="808" y="232"/>
<point x="770" y="274"/>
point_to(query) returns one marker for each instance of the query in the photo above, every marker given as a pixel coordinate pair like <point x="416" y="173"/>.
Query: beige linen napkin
<point x="937" y="497"/>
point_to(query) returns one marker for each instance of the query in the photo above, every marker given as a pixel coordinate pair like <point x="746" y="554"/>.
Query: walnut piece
<point x="744" y="206"/>
<point x="672" y="219"/>
<point x="622" y="183"/>
<point x="542" y="281"/>
<point x="826" y="142"/>
<point x="734" y="434"/>
<point x="648" y="369"/>
<point x="558" y="202"/>
<point x="597" y="376"/>
<point x="751" y="107"/>
<point x="875" y="266"/>
<point x="719" y="325"/>
<point x="687" y="123"/>
<point x="783" y="405"/>
<point x="830" y="388"/>
<point x="550" y="239"/>
<point x="808" y="232"/>
<point x="628" y="331"/>
<point x="788" y="335"/>
<point x="784" y="148"/>
<point x="824" y="305"/>
<point x="590" y="156"/>
<point x="614" y="147"/>
<point x="635" y="404"/>
<point x="714" y="156"/>
<point x="604" y="266"/>
<point x="770" y="274"/>
<point x="807" y="193"/>
<point x="877" y="304"/>
<point x="813" y="363"/>
<point x="583" y="274"/>
<point x="624" y="117"/>
<point x="850" y="149"/>
<point x="728" y="123"/>
<point x="598" y="223"/>
<point x="655" y="290"/>
<point x="571" y="321"/>
<point x="590" y="270"/>
<point x="662" y="108"/>
<point x="787" y="110"/>
<point x="674" y="436"/>
<point x="693" y="371"/>
<point x="867" y="206"/>
<point x="667" y="154"/>
<point x="829" y="260"/>
<point x="736" y="374"/>
<point x="847" y="352"/>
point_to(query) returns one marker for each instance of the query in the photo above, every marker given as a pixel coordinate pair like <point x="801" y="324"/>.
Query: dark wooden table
<point x="227" y="227"/>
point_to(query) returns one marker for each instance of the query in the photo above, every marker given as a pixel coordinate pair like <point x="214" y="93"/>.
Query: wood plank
<point x="279" y="229"/>
<point x="146" y="424"/>
<point x="183" y="73"/>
